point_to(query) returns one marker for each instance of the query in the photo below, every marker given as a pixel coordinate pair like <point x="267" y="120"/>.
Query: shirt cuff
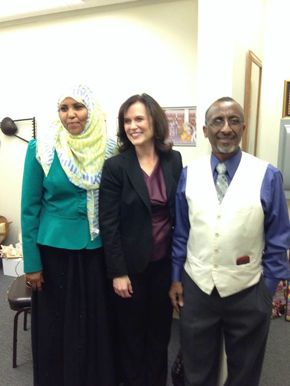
<point x="176" y="273"/>
<point x="271" y="284"/>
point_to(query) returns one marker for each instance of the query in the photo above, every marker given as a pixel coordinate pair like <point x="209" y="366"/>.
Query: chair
<point x="19" y="298"/>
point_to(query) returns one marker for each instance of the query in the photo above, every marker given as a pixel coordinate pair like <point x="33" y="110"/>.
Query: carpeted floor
<point x="276" y="366"/>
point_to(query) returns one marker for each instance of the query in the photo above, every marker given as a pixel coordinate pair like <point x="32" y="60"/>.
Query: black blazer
<point x="125" y="210"/>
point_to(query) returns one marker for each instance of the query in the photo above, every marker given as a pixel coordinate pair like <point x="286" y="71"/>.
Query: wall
<point x="265" y="32"/>
<point x="225" y="34"/>
<point x="276" y="69"/>
<point x="119" y="51"/>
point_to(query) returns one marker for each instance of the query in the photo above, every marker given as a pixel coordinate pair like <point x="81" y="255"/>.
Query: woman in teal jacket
<point x="63" y="255"/>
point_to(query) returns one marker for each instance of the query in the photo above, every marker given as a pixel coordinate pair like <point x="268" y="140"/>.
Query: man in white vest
<point x="230" y="247"/>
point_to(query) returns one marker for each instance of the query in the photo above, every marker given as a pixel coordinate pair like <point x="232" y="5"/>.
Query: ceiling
<point x="20" y="9"/>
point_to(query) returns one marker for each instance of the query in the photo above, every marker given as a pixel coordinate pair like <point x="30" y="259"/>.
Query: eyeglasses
<point x="219" y="123"/>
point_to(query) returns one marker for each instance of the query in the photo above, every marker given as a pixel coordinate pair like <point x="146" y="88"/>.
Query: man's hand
<point x="122" y="286"/>
<point x="176" y="295"/>
<point x="34" y="280"/>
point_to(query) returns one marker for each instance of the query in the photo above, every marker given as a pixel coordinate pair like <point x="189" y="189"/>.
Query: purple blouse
<point x="161" y="226"/>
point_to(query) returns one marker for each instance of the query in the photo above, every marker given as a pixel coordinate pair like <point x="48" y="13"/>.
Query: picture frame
<point x="286" y="99"/>
<point x="182" y="125"/>
<point x="253" y="82"/>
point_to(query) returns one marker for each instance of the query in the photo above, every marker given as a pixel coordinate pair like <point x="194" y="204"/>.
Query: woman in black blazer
<point x="137" y="196"/>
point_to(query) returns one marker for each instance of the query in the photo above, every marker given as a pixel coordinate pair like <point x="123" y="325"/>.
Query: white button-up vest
<point x="220" y="234"/>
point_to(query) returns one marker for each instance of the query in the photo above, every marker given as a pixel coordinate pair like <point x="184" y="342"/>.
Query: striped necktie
<point x="221" y="181"/>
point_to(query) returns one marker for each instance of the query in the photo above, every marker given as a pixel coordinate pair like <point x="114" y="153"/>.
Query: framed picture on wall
<point x="286" y="99"/>
<point x="182" y="125"/>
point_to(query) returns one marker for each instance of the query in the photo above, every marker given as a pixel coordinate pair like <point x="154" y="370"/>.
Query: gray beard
<point x="226" y="149"/>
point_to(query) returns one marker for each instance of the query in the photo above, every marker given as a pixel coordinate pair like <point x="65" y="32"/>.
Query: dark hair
<point x="159" y="123"/>
<point x="225" y="99"/>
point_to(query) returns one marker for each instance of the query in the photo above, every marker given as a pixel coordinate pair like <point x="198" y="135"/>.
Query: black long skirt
<point x="71" y="324"/>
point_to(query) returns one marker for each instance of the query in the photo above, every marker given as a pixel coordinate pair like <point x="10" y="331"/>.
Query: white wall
<point x="276" y="69"/>
<point x="119" y="51"/>
<point x="225" y="34"/>
<point x="263" y="29"/>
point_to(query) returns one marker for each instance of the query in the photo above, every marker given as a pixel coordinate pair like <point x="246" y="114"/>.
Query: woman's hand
<point x="34" y="280"/>
<point x="122" y="286"/>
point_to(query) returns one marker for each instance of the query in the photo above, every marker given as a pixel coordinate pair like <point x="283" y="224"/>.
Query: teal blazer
<point x="53" y="211"/>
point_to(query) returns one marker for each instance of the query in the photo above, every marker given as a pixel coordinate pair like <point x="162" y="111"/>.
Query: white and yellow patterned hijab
<point x="81" y="156"/>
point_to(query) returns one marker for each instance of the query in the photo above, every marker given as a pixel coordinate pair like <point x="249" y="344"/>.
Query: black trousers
<point x="144" y="324"/>
<point x="243" y="319"/>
